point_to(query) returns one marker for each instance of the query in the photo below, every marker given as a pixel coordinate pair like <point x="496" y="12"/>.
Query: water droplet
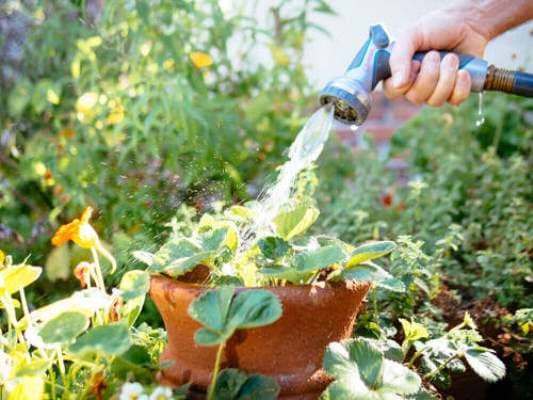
<point x="353" y="127"/>
<point x="480" y="117"/>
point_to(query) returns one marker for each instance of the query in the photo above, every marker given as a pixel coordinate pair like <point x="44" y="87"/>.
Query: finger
<point x="427" y="79"/>
<point x="446" y="83"/>
<point x="463" y="84"/>
<point x="391" y="91"/>
<point x="401" y="56"/>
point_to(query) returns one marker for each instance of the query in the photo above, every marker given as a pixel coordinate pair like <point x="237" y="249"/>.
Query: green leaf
<point x="57" y="265"/>
<point x="259" y="387"/>
<point x="211" y="308"/>
<point x="174" y="257"/>
<point x="321" y="258"/>
<point x="16" y="277"/>
<point x="221" y="314"/>
<point x="253" y="308"/>
<point x="111" y="340"/>
<point x="370" y="251"/>
<point x="183" y="265"/>
<point x="233" y="384"/>
<point x="413" y="330"/>
<point x="133" y="288"/>
<point x="485" y="364"/>
<point x="361" y="372"/>
<point x="292" y="223"/>
<point x="134" y="284"/>
<point x="273" y="247"/>
<point x="229" y="383"/>
<point x="399" y="379"/>
<point x="214" y="239"/>
<point x="375" y="274"/>
<point x="290" y="274"/>
<point x="64" y="328"/>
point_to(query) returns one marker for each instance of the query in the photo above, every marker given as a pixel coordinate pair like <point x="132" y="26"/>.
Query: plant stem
<point x="218" y="359"/>
<point x="98" y="269"/>
<point x="416" y="355"/>
<point x="430" y="375"/>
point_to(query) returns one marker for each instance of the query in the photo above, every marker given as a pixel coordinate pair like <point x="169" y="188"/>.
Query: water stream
<point x="303" y="152"/>
<point x="480" y="116"/>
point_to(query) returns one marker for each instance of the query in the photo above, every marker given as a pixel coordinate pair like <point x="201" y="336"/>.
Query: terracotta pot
<point x="290" y="350"/>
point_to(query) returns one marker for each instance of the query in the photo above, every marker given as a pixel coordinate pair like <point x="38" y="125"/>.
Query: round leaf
<point x="111" y="340"/>
<point x="253" y="308"/>
<point x="17" y="277"/>
<point x="64" y="328"/>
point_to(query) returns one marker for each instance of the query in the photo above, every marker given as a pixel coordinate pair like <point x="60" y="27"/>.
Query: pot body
<point x="289" y="350"/>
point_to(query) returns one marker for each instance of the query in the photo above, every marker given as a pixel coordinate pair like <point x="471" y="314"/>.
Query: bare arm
<point x="465" y="27"/>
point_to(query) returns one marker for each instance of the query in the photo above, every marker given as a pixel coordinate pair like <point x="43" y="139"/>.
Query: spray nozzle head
<point x="348" y="97"/>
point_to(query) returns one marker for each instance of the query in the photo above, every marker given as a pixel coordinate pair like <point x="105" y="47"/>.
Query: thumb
<point x="402" y="54"/>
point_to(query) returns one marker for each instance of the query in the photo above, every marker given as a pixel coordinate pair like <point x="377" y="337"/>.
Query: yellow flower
<point x="2" y="258"/>
<point x="86" y="103"/>
<point x="116" y="115"/>
<point x="200" y="59"/>
<point x="79" y="231"/>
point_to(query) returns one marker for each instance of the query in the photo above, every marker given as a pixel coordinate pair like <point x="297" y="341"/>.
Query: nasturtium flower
<point x="79" y="231"/>
<point x="200" y="59"/>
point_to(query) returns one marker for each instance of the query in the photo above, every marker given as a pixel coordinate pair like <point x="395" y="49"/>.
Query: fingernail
<point x="399" y="79"/>
<point x="433" y="56"/>
<point x="451" y="61"/>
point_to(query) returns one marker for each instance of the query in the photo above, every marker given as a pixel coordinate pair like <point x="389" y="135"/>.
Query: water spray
<point x="350" y="93"/>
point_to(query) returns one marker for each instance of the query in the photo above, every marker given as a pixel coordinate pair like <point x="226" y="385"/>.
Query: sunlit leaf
<point x="295" y="222"/>
<point x="16" y="277"/>
<point x="413" y="330"/>
<point x="370" y="251"/>
<point x="375" y="274"/>
<point x="27" y="388"/>
<point x="321" y="258"/>
<point x="487" y="365"/>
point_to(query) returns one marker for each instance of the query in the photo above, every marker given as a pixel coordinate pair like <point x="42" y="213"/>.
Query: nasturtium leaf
<point x="211" y="308"/>
<point x="273" y="247"/>
<point x="296" y="221"/>
<point x="64" y="328"/>
<point x="33" y="368"/>
<point x="133" y="288"/>
<point x="16" y="277"/>
<point x="413" y="330"/>
<point x="487" y="365"/>
<point x="134" y="284"/>
<point x="111" y="340"/>
<point x="375" y="274"/>
<point x="253" y="308"/>
<point x="321" y="258"/>
<point x="221" y="313"/>
<point x="370" y="251"/>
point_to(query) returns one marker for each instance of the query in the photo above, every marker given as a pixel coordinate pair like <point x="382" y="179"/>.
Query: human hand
<point x="435" y="81"/>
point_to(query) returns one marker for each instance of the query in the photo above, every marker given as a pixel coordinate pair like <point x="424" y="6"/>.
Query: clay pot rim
<point x="329" y="286"/>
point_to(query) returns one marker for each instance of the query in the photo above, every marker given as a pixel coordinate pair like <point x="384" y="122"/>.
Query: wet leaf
<point x="321" y="258"/>
<point x="295" y="222"/>
<point x="273" y="247"/>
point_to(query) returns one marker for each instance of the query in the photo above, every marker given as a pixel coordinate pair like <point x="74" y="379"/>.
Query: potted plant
<point x="281" y="297"/>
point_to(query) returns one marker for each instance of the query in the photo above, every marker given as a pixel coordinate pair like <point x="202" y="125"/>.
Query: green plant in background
<point x="149" y="106"/>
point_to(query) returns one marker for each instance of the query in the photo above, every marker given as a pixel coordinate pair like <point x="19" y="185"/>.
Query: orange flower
<point x="82" y="273"/>
<point x="79" y="231"/>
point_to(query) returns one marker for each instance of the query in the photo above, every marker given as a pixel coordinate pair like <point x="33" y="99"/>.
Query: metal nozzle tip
<point x="350" y="101"/>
